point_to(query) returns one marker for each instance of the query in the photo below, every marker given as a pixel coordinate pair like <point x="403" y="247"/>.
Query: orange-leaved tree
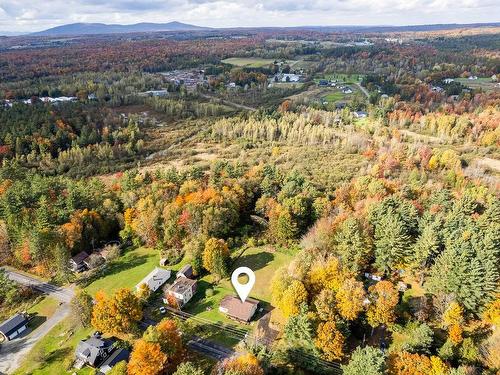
<point x="146" y="358"/>
<point x="117" y="315"/>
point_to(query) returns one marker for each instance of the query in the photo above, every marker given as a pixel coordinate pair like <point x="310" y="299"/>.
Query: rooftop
<point x="181" y="285"/>
<point x="13" y="324"/>
<point x="237" y="309"/>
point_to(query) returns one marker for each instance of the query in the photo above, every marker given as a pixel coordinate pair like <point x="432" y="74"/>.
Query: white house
<point x="448" y="80"/>
<point x="183" y="289"/>
<point x="155" y="279"/>
<point x="347" y="90"/>
<point x="290" y="77"/>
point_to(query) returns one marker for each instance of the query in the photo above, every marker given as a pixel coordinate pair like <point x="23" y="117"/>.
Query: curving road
<point x="12" y="353"/>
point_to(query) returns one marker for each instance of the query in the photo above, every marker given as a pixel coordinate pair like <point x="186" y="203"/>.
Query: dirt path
<point x="363" y="90"/>
<point x="232" y="104"/>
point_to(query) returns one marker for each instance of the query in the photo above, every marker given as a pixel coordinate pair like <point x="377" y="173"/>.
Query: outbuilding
<point x="13" y="327"/>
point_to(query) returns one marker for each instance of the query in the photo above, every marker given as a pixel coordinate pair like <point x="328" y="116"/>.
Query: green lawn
<point x="127" y="271"/>
<point x="264" y="263"/>
<point x="42" y="310"/>
<point x="333" y="97"/>
<point x="481" y="83"/>
<point x="54" y="353"/>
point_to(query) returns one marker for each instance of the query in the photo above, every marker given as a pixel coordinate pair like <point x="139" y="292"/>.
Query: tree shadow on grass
<point x="36" y="321"/>
<point x="254" y="261"/>
<point x="58" y="355"/>
<point x="117" y="266"/>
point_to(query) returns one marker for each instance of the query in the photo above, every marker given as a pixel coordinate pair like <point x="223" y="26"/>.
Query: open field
<point x="481" y="83"/>
<point x="264" y="261"/>
<point x="126" y="271"/>
<point x="251" y="62"/>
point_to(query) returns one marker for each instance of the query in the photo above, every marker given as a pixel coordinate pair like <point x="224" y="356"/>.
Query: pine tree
<point x="392" y="244"/>
<point x="353" y="245"/>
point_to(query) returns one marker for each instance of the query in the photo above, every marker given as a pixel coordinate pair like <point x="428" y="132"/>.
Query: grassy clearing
<point x="481" y="83"/>
<point x="251" y="62"/>
<point x="333" y="97"/>
<point x="264" y="262"/>
<point x="54" y="353"/>
<point x="126" y="271"/>
<point x="42" y="311"/>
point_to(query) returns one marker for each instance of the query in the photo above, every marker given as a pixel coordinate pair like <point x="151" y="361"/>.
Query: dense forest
<point x="383" y="202"/>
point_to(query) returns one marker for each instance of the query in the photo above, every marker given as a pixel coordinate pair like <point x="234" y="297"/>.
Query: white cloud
<point x="23" y="15"/>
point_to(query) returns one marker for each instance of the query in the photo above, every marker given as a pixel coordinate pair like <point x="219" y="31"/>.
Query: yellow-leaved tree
<point x="330" y="341"/>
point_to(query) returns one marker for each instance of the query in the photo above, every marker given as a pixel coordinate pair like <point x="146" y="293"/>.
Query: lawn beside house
<point x="55" y="352"/>
<point x="126" y="271"/>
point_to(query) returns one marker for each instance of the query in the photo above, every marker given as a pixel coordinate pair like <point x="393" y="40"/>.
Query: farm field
<point x="252" y="62"/>
<point x="481" y="83"/>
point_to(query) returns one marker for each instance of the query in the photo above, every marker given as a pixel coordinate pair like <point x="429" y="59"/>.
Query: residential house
<point x="347" y="90"/>
<point x="323" y="82"/>
<point x="473" y="78"/>
<point x="235" y="309"/>
<point x="93" y="351"/>
<point x="448" y="80"/>
<point x="360" y="114"/>
<point x="118" y="355"/>
<point x="186" y="271"/>
<point x="155" y="279"/>
<point x="13" y="327"/>
<point x="77" y="263"/>
<point x="290" y="77"/>
<point x="183" y="289"/>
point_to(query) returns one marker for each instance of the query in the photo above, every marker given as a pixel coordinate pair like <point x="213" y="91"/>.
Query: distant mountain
<point x="10" y="33"/>
<point x="102" y="28"/>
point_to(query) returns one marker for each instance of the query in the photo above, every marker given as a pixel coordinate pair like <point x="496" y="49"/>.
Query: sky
<point x="36" y="15"/>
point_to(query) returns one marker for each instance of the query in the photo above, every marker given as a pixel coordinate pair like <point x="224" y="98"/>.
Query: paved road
<point x="12" y="353"/>
<point x="202" y="346"/>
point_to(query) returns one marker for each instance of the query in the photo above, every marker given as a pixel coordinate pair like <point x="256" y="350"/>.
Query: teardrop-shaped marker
<point x="243" y="290"/>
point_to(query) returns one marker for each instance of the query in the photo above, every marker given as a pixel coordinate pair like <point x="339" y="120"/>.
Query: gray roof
<point x="94" y="349"/>
<point x="117" y="356"/>
<point x="80" y="257"/>
<point x="13" y="324"/>
<point x="187" y="271"/>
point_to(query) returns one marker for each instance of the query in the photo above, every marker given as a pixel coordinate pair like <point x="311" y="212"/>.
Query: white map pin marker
<point x="243" y="290"/>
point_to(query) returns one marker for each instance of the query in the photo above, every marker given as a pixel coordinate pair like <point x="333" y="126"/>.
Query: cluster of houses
<point x="189" y="78"/>
<point x="184" y="287"/>
<point x="335" y="83"/>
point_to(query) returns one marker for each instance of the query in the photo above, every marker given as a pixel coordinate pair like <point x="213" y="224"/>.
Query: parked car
<point x="163" y="310"/>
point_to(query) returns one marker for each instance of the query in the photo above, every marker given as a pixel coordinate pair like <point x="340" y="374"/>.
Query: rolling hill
<point x="102" y="28"/>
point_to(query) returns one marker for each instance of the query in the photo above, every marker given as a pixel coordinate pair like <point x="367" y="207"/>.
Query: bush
<point x="209" y="293"/>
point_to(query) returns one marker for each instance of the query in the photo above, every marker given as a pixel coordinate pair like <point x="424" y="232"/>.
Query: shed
<point x="13" y="327"/>
<point x="186" y="271"/>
